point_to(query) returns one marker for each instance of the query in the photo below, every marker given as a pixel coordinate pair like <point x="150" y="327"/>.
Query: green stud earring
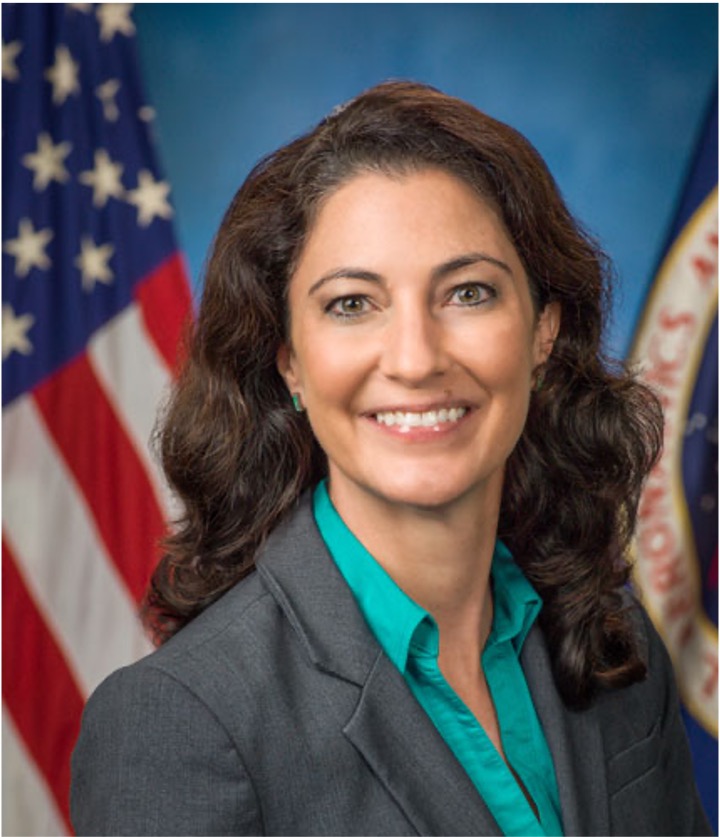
<point x="297" y="403"/>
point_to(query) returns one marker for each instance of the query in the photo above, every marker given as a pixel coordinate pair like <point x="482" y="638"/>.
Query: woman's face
<point x="413" y="340"/>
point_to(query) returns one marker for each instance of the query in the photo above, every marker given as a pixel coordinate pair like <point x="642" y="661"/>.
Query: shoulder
<point x="650" y="697"/>
<point x="154" y="731"/>
<point x="192" y="676"/>
<point x="243" y="625"/>
<point x="237" y="611"/>
<point x="222" y="651"/>
<point x="646" y="746"/>
<point x="289" y="618"/>
<point x="660" y="677"/>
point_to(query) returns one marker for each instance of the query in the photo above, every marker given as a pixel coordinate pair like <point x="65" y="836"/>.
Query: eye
<point x="348" y="307"/>
<point x="472" y="293"/>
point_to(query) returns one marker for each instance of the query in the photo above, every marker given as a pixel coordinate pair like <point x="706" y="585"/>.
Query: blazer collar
<point x="303" y="578"/>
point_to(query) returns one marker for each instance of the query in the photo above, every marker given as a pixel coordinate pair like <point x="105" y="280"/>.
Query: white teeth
<point x="429" y="419"/>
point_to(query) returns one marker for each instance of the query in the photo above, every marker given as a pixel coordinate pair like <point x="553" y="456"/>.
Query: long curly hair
<point x="239" y="456"/>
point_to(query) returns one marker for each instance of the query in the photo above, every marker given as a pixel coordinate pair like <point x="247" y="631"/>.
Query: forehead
<point x="412" y="215"/>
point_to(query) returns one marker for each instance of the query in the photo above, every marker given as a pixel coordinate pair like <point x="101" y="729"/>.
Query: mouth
<point x="405" y="421"/>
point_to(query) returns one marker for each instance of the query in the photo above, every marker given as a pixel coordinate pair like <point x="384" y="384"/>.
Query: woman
<point x="395" y="603"/>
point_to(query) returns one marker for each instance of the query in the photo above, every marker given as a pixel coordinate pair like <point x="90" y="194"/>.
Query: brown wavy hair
<point x="239" y="456"/>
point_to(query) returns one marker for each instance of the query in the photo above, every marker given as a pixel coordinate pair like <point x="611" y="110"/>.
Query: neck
<point x="440" y="557"/>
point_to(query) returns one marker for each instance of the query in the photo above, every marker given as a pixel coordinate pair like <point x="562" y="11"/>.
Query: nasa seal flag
<point x="676" y="544"/>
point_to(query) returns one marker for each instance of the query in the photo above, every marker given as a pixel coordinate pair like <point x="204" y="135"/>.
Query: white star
<point x="10" y="53"/>
<point x="14" y="332"/>
<point x="150" y="198"/>
<point x="104" y="179"/>
<point x="146" y="113"/>
<point x="114" y="18"/>
<point x="81" y="7"/>
<point x="63" y="75"/>
<point x="47" y="162"/>
<point x="93" y="263"/>
<point x="106" y="92"/>
<point x="29" y="248"/>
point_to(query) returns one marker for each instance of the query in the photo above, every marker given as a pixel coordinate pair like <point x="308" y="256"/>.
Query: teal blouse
<point x="410" y="638"/>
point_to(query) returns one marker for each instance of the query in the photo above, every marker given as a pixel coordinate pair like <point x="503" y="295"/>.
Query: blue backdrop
<point x="612" y="95"/>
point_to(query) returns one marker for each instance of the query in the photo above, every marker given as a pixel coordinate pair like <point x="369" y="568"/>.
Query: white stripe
<point x="28" y="807"/>
<point x="136" y="380"/>
<point x="60" y="555"/>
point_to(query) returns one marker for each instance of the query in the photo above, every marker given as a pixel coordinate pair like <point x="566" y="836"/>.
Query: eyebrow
<point x="439" y="272"/>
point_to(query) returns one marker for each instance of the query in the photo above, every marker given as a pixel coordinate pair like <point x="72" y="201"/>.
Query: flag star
<point x="93" y="263"/>
<point x="150" y="198"/>
<point x="146" y="113"/>
<point x="14" y="332"/>
<point x="104" y="179"/>
<point x="29" y="248"/>
<point x="114" y="18"/>
<point x="81" y="7"/>
<point x="10" y="53"/>
<point x="106" y="92"/>
<point x="63" y="75"/>
<point x="48" y="162"/>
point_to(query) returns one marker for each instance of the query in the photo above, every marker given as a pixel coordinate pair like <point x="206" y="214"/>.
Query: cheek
<point x="331" y="370"/>
<point x="503" y="357"/>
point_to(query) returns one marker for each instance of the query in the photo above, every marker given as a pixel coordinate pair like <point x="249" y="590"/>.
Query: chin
<point x="427" y="494"/>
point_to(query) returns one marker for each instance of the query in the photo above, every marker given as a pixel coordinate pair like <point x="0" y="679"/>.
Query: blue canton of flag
<point x="94" y="301"/>
<point x="81" y="190"/>
<point x="677" y="547"/>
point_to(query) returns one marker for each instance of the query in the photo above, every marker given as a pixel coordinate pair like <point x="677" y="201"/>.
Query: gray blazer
<point x="276" y="712"/>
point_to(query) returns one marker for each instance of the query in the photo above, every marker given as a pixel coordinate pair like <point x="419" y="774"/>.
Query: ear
<point x="287" y="366"/>
<point x="546" y="330"/>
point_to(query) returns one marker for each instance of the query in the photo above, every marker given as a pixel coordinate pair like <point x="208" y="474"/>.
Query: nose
<point x="414" y="349"/>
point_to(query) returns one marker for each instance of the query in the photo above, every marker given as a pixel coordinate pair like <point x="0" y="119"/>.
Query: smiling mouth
<point x="406" y="421"/>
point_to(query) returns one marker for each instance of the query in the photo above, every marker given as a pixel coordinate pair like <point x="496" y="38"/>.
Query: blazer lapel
<point x="575" y="744"/>
<point x="399" y="742"/>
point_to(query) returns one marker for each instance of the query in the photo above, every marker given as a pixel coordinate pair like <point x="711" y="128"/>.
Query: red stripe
<point x="166" y="306"/>
<point x="33" y="665"/>
<point x="110" y="474"/>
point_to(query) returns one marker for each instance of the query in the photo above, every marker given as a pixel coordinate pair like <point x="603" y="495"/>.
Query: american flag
<point x="95" y="298"/>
